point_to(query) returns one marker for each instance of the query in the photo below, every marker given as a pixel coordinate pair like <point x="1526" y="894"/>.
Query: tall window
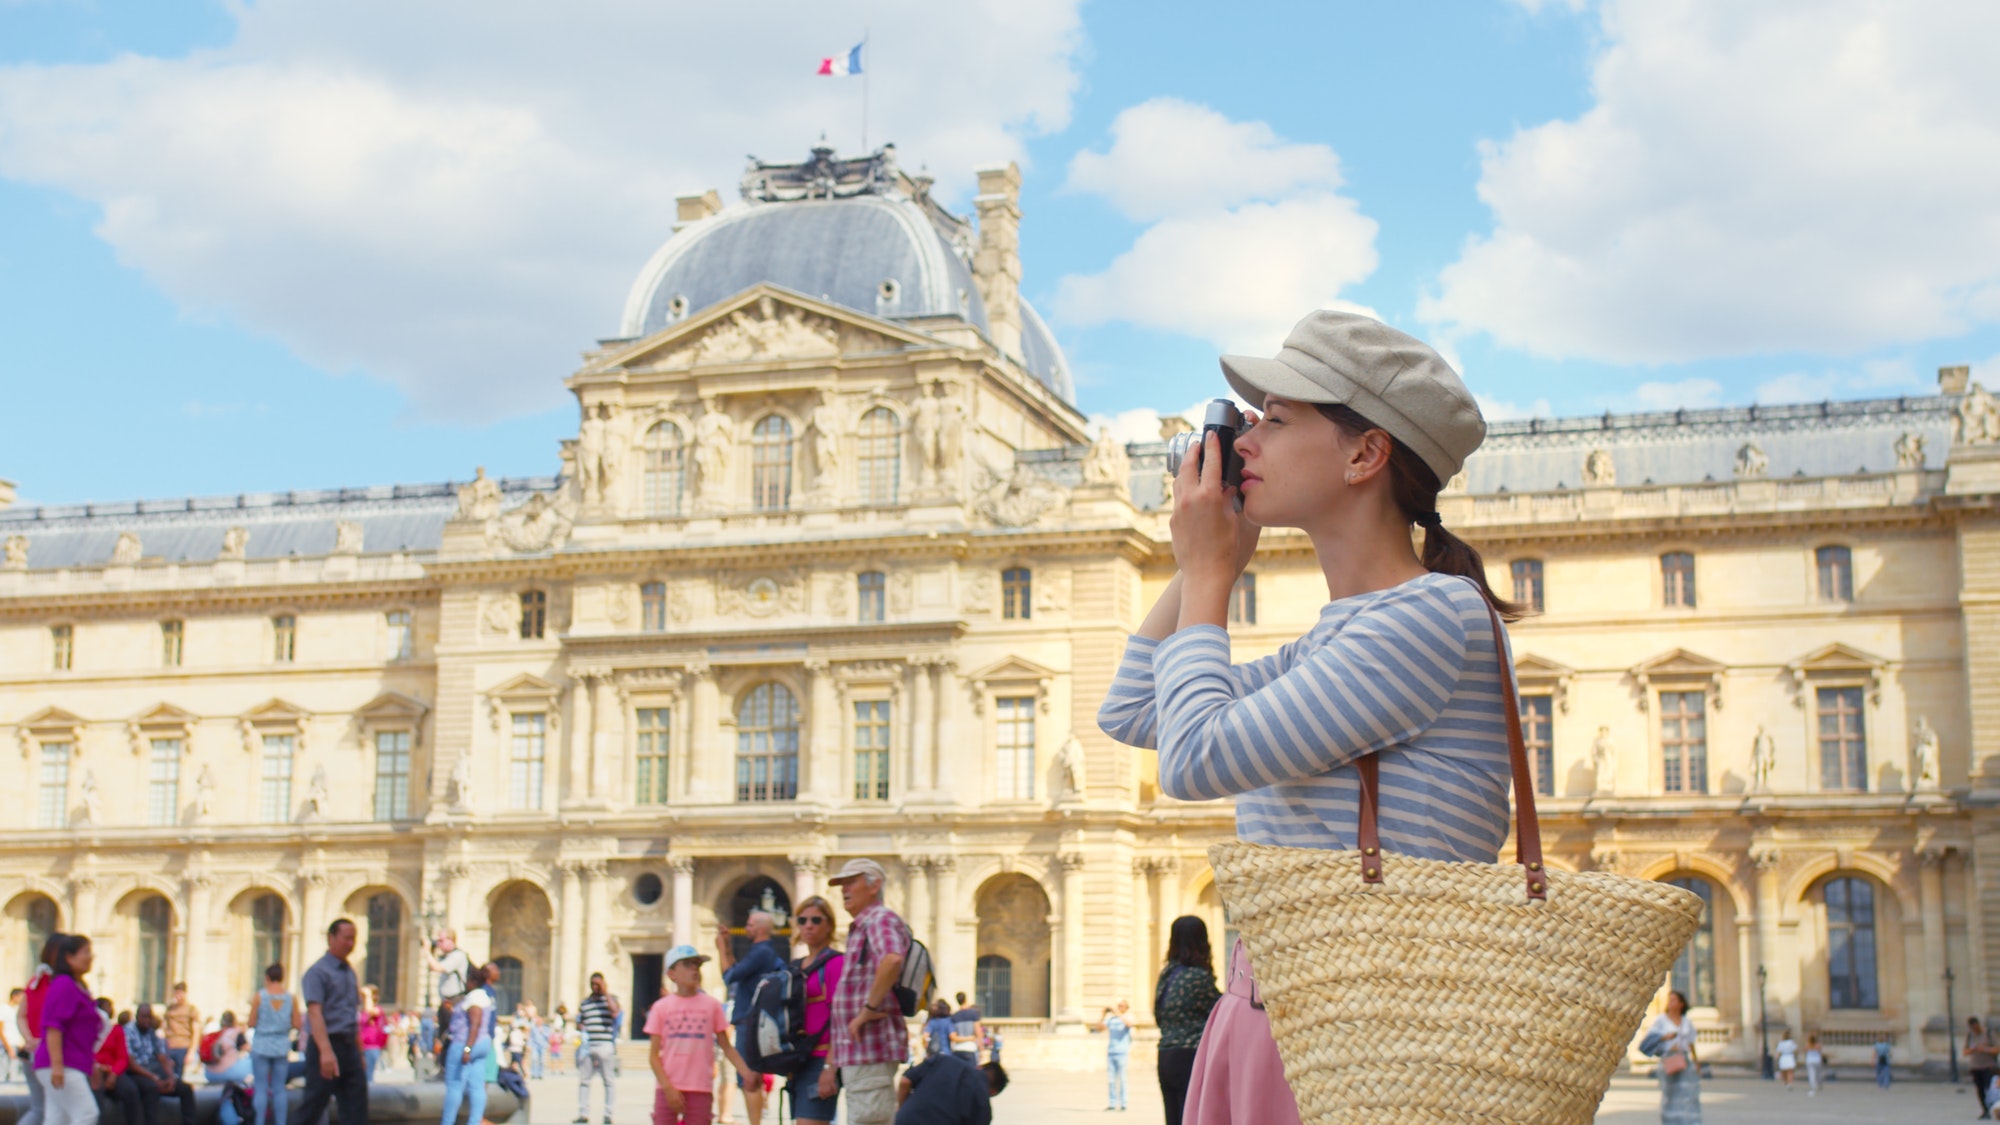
<point x="1694" y="969"/>
<point x="172" y="634"/>
<point x="1843" y="745"/>
<point x="274" y="796"/>
<point x="1016" y="590"/>
<point x="392" y="775"/>
<point x="871" y="590"/>
<point x="400" y="647"/>
<point x="1850" y="943"/>
<point x="881" y="456"/>
<point x="534" y="614"/>
<point x="1836" y="574"/>
<point x="666" y="469"/>
<point x="508" y="989"/>
<point x="1527" y="583"/>
<point x="1538" y="732"/>
<point x="1684" y="740"/>
<point x="1677" y="579"/>
<point x="384" y="965"/>
<point x="653" y="607"/>
<point x="1014" y="758"/>
<point x="163" y="790"/>
<point x="41" y="926"/>
<point x="52" y="799"/>
<point x="871" y="750"/>
<point x="62" y="647"/>
<point x="993" y="980"/>
<point x="654" y="723"/>
<point x="267" y="936"/>
<point x="284" y="638"/>
<point x="1243" y="600"/>
<point x="771" y="464"/>
<point x="156" y="948"/>
<point x="767" y="745"/>
<point x="524" y="765"/>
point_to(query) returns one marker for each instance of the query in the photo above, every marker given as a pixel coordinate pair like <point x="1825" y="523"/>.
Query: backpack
<point x="241" y="1100"/>
<point x="211" y="1045"/>
<point x="916" y="987"/>
<point x="780" y="1044"/>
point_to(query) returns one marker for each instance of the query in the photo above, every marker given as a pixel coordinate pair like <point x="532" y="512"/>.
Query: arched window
<point x="1836" y="574"/>
<point x="666" y="469"/>
<point x="156" y="949"/>
<point x="767" y="745"/>
<point x="994" y="987"/>
<point x="771" y="464"/>
<point x="267" y="936"/>
<point x="1850" y="943"/>
<point x="507" y="991"/>
<point x="1694" y="969"/>
<point x="881" y="456"/>
<point x="384" y="964"/>
<point x="40" y="922"/>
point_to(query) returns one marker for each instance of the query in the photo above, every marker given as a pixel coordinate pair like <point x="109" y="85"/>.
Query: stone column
<point x="196" y="952"/>
<point x="571" y="980"/>
<point x="597" y="947"/>
<point x="456" y="892"/>
<point x="1927" y="973"/>
<point x="948" y="748"/>
<point x="697" y="782"/>
<point x="682" y="867"/>
<point x="1764" y="858"/>
<point x="944" y="927"/>
<point x="922" y="730"/>
<point x="822" y="759"/>
<point x="1069" y="956"/>
<point x="581" y="724"/>
<point x="917" y="911"/>
<point x="808" y="876"/>
<point x="313" y="915"/>
<point x="603" y="756"/>
<point x="1143" y="912"/>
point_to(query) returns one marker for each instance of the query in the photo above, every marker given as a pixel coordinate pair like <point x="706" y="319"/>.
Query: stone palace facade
<point x="833" y="567"/>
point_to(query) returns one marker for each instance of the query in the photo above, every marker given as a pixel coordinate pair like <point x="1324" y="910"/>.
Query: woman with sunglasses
<point x="815" y="1090"/>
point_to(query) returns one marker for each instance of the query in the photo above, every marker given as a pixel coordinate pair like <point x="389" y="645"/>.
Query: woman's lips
<point x="1249" y="479"/>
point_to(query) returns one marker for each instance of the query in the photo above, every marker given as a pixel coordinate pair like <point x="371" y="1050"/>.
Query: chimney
<point x="1952" y="380"/>
<point x="6" y="493"/>
<point x="695" y="208"/>
<point x="997" y="265"/>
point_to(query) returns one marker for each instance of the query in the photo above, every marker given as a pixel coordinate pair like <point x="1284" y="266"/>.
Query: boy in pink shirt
<point x="685" y="1027"/>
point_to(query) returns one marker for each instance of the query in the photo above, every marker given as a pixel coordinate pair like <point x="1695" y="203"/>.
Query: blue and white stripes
<point x="1409" y="674"/>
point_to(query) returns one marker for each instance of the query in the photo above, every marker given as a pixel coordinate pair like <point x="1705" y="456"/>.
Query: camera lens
<point x="1177" y="449"/>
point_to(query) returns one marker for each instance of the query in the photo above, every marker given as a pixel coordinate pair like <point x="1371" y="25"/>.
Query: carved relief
<point x="500" y="614"/>
<point x="1051" y="590"/>
<point x="127" y="551"/>
<point x="618" y="604"/>
<point x="902" y="591"/>
<point x="1751" y="462"/>
<point x="235" y="544"/>
<point x="17" y="553"/>
<point x="760" y="595"/>
<point x="836" y="595"/>
<point x="541" y="524"/>
<point x="1977" y="421"/>
<point x="1016" y="499"/>
<point x="1599" y="470"/>
<point x="981" y="590"/>
<point x="769" y="331"/>
<point x="347" y="538"/>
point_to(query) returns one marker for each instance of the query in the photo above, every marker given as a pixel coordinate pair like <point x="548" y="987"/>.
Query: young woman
<point x="1182" y="1002"/>
<point x="815" y="1090"/>
<point x="231" y="1062"/>
<point x="1361" y="427"/>
<point x="1788" y="1057"/>
<point x="28" y="1021"/>
<point x="937" y="1029"/>
<point x="1816" y="1063"/>
<point x="374" y="1030"/>
<point x="70" y="1023"/>
<point x="1671" y="1037"/>
<point x="274" y="1015"/>
<point x="467" y="1050"/>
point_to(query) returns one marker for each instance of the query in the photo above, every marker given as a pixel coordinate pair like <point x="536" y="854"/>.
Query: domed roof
<point x="856" y="233"/>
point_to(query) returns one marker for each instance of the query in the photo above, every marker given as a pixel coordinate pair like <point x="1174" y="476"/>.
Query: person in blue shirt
<point x="767" y="953"/>
<point x="1115" y="1023"/>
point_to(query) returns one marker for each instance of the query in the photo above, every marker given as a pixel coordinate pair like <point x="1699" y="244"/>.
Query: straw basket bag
<point x="1406" y="990"/>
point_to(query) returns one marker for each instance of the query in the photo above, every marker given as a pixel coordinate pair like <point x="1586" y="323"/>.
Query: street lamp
<point x="1950" y="1024"/>
<point x="1764" y="1029"/>
<point x="433" y="917"/>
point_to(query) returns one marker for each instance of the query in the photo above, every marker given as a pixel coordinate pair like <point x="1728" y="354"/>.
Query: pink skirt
<point x="1238" y="1078"/>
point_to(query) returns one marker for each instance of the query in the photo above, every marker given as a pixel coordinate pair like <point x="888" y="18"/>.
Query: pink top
<point x="374" y="1030"/>
<point x="820" y="984"/>
<point x="687" y="1027"/>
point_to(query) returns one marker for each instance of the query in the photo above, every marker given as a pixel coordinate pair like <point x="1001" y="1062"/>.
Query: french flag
<point x="849" y="65"/>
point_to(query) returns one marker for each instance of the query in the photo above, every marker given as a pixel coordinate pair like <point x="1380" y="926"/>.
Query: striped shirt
<point x="595" y="1018"/>
<point x="1408" y="674"/>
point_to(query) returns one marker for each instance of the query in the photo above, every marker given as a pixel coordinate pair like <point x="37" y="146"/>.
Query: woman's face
<point x="79" y="962"/>
<point x="1295" y="465"/>
<point x="1675" y="1008"/>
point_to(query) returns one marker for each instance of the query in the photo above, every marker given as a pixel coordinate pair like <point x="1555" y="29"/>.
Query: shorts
<point x="803" y="1093"/>
<point x="700" y="1109"/>
<point x="871" y="1092"/>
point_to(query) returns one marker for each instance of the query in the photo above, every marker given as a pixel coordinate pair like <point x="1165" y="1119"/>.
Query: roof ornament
<point x="1751" y="462"/>
<point x="1977" y="421"/>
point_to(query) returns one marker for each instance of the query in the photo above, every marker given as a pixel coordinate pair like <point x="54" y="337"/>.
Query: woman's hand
<point x="827" y="1077"/>
<point x="1213" y="541"/>
<point x="56" y="1074"/>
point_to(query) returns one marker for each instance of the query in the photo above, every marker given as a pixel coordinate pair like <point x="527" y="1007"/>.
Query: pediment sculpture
<point x="1017" y="498"/>
<point x="1977" y="421"/>
<point x="763" y="594"/>
<point x="541" y="524"/>
<point x="767" y="330"/>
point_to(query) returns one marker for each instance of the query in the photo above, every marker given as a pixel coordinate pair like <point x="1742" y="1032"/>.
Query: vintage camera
<point x="1220" y="418"/>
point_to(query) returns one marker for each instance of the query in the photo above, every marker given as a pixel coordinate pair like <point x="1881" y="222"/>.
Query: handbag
<point x="1404" y="990"/>
<point x="1673" y="1064"/>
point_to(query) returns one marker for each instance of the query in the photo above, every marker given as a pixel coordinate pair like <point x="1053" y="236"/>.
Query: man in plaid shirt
<point x="870" y="1036"/>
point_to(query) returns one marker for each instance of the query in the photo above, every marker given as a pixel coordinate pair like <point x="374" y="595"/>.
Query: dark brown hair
<point x="1187" y="943"/>
<point x="1416" y="488"/>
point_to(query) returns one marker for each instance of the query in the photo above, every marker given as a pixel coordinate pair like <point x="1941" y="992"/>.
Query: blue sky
<point x="297" y="244"/>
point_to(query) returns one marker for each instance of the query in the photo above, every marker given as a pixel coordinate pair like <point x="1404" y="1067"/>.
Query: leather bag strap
<point x="1527" y="826"/>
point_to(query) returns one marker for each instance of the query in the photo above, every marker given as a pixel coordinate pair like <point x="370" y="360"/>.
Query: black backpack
<point x="916" y="985"/>
<point x="778" y="1043"/>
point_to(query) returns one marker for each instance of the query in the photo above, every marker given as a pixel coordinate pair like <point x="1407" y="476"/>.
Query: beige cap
<point x="856" y="868"/>
<point x="1394" y="380"/>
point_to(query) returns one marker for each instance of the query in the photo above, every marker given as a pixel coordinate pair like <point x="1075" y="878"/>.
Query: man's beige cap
<point x="855" y="868"/>
<point x="1394" y="380"/>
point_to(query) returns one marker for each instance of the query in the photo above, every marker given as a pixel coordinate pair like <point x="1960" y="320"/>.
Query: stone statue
<point x="1763" y="761"/>
<point x="235" y="544"/>
<point x="316" y="796"/>
<point x="1604" y="763"/>
<point x="611" y="459"/>
<point x="541" y="524"/>
<point x="713" y="433"/>
<point x="1171" y="424"/>
<point x="478" y="498"/>
<point x="1018" y="498"/>
<point x="1910" y="451"/>
<point x="590" y="453"/>
<point x="346" y="538"/>
<point x="1751" y="461"/>
<point x="1457" y="484"/>
<point x="17" y="552"/>
<point x="1599" y="470"/>
<point x="204" y="794"/>
<point x="1924" y="756"/>
<point x="927" y="426"/>
<point x="1106" y="463"/>
<point x="127" y="551"/>
<point x="93" y="802"/>
<point x="1069" y="770"/>
<point x="825" y="425"/>
<point x="951" y="434"/>
<point x="1978" y="419"/>
<point x="461" y="782"/>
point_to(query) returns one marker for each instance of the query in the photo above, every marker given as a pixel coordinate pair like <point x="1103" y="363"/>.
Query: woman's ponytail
<point x="1416" y="490"/>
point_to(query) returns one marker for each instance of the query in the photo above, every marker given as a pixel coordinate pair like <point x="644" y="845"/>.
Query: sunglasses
<point x="812" y="919"/>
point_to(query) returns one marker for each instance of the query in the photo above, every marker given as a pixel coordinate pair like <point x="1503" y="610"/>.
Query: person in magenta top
<point x="685" y="1027"/>
<point x="813" y="922"/>
<point x="374" y="1030"/>
<point x="70" y="1025"/>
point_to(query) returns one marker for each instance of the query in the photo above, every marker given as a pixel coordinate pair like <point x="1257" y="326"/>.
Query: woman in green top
<point x="1180" y="1006"/>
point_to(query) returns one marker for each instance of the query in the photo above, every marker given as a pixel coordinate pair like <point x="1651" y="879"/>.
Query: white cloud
<point x="1694" y="393"/>
<point x="1807" y="175"/>
<point x="1252" y="232"/>
<point x="1876" y="378"/>
<point x="1142" y="424"/>
<point x="455" y="196"/>
<point x="1496" y="410"/>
